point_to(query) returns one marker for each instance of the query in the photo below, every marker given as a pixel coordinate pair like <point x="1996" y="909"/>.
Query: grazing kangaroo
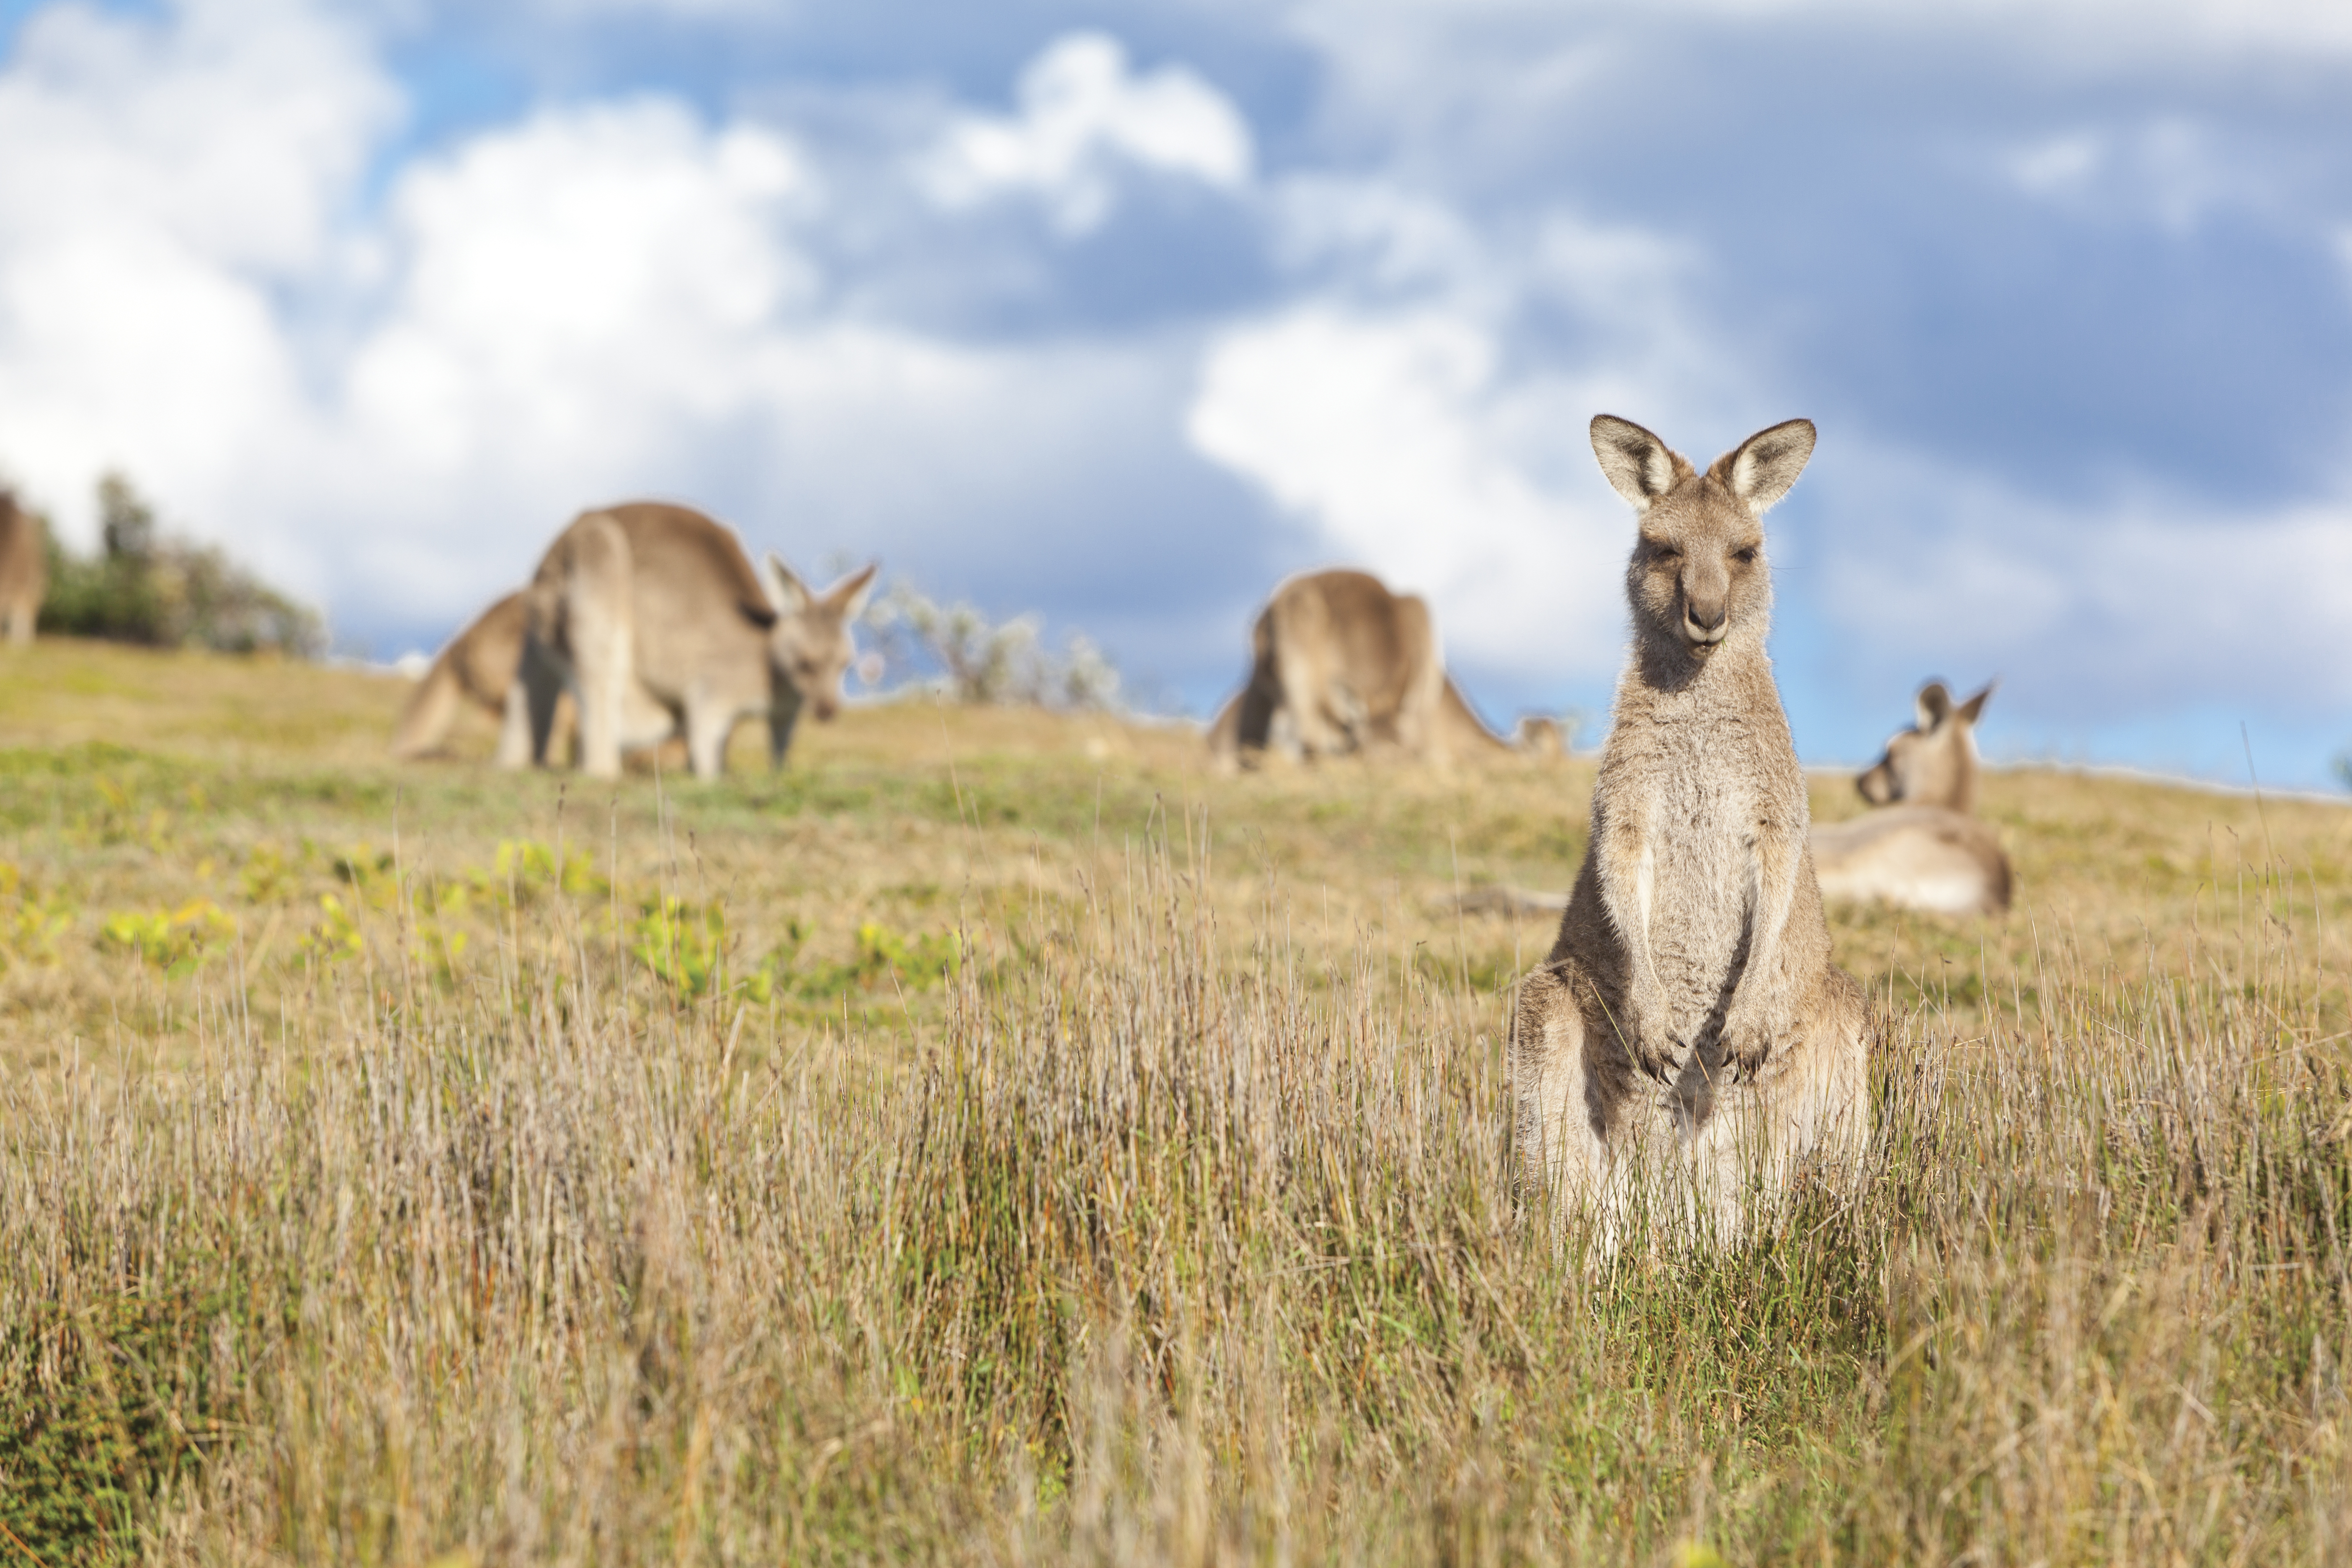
<point x="1924" y="850"/>
<point x="23" y="569"/>
<point x="656" y="621"/>
<point x="1688" y="1024"/>
<point x="1339" y="664"/>
<point x="477" y="666"/>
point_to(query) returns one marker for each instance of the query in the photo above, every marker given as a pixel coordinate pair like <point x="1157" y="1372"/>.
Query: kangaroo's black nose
<point x="1705" y="620"/>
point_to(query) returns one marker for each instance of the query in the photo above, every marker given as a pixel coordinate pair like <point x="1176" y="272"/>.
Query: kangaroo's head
<point x="1697" y="576"/>
<point x="1935" y="762"/>
<point x="809" y="646"/>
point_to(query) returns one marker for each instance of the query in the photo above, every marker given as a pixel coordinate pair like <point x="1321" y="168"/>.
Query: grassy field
<point x="994" y="1138"/>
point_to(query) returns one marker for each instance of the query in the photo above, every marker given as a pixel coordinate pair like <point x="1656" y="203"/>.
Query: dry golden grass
<point x="997" y="1140"/>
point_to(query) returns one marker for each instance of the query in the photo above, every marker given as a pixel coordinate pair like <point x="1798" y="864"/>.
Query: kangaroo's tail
<point x="1464" y="723"/>
<point x="434" y="708"/>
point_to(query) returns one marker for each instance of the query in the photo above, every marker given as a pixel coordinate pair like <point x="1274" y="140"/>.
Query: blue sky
<point x="1118" y="314"/>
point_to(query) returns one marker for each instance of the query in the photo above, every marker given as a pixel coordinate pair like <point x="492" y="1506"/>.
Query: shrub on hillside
<point x="146" y="587"/>
<point x="984" y="662"/>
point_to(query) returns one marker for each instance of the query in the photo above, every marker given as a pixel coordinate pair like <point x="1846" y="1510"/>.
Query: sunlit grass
<point x="996" y="1141"/>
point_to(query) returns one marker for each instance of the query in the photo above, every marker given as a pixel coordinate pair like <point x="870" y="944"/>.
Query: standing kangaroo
<point x="1339" y="664"/>
<point x="656" y="620"/>
<point x="1688" y="1021"/>
<point x="24" y="571"/>
<point x="1925" y="849"/>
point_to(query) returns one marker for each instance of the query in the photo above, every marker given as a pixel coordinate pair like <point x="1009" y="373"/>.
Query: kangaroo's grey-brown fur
<point x="1928" y="857"/>
<point x="478" y="667"/>
<point x="1934" y="763"/>
<point x="24" y="570"/>
<point x="1539" y="735"/>
<point x="1689" y="1025"/>
<point x="657" y="622"/>
<point x="1924" y="850"/>
<point x="1339" y="664"/>
<point x="482" y="665"/>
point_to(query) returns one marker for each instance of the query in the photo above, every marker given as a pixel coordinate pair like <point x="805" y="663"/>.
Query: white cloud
<point x="1392" y="410"/>
<point x="1397" y="438"/>
<point x="393" y="410"/>
<point x="165" y="181"/>
<point x="233" y="130"/>
<point x="2081" y="31"/>
<point x="1082" y="113"/>
<point x="2095" y="610"/>
<point x="615" y="300"/>
<point x="2169" y="172"/>
<point x="593" y="273"/>
<point x="2059" y="166"/>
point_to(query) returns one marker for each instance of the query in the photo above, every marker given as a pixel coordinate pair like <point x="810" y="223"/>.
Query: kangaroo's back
<point x="1917" y="857"/>
<point x="1341" y="664"/>
<point x="688" y="566"/>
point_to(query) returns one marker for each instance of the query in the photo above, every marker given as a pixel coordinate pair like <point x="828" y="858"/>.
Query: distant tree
<point x="147" y="587"/>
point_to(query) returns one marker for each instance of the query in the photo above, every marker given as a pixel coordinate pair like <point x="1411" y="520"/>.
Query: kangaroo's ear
<point x="1762" y="468"/>
<point x="1640" y="466"/>
<point x="1973" y="707"/>
<point x="1934" y="705"/>
<point x="788" y="592"/>
<point x="849" y="595"/>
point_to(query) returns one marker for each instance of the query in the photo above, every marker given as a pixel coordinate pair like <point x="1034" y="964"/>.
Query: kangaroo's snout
<point x="1706" y="599"/>
<point x="824" y="705"/>
<point x="1704" y="622"/>
<point x="1877" y="785"/>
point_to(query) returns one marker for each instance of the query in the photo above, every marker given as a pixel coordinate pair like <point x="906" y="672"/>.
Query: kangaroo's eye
<point x="1745" y="555"/>
<point x="1665" y="554"/>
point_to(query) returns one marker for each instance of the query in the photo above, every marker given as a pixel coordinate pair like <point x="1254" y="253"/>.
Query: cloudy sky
<point x="1120" y="313"/>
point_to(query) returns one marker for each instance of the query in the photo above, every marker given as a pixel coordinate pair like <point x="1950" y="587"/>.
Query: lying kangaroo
<point x="24" y="570"/>
<point x="656" y="620"/>
<point x="1927" y="858"/>
<point x="1924" y="850"/>
<point x="1339" y="664"/>
<point x="1934" y="763"/>
<point x="1688" y="1021"/>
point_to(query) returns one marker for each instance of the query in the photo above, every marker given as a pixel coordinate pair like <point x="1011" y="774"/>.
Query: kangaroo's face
<point x="810" y="646"/>
<point x="1699" y="574"/>
<point x="1935" y="762"/>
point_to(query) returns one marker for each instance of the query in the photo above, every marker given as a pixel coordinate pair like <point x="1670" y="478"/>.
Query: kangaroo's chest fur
<point x="1700" y="776"/>
<point x="1698" y="859"/>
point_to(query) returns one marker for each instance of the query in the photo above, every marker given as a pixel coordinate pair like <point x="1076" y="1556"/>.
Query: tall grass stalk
<point x="1163" y="1247"/>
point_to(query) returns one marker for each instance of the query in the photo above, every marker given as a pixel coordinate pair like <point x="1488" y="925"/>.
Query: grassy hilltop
<point x="994" y="1138"/>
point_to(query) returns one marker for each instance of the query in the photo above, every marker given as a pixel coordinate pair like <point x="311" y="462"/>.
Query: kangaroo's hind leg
<point x="600" y="634"/>
<point x="1807" y="1110"/>
<point x="1565" y="1108"/>
<point x="708" y="723"/>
